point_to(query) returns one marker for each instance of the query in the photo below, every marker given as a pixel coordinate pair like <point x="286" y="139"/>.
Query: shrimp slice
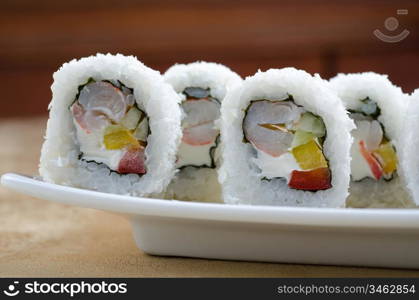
<point x="88" y="120"/>
<point x="104" y="98"/>
<point x="370" y="132"/>
<point x="78" y="114"/>
<point x="367" y="138"/>
<point x="198" y="125"/>
<point x="273" y="140"/>
<point x="201" y="134"/>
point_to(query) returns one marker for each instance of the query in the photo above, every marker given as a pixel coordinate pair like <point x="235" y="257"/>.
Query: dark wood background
<point x="327" y="37"/>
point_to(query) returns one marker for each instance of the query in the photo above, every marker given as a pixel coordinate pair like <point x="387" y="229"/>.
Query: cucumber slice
<point x="301" y="137"/>
<point x="141" y="132"/>
<point x="311" y="123"/>
<point x="196" y="92"/>
<point x="131" y="119"/>
<point x="370" y="108"/>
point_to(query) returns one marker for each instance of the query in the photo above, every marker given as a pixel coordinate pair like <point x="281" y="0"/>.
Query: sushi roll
<point x="285" y="142"/>
<point x="114" y="126"/>
<point x="410" y="144"/>
<point x="202" y="87"/>
<point x="378" y="108"/>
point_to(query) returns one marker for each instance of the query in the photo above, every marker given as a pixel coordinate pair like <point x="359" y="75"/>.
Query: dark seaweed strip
<point x="367" y="178"/>
<point x="285" y="181"/>
<point x="214" y="99"/>
<point x="143" y="115"/>
<point x="374" y="115"/>
<point x="196" y="92"/>
<point x="212" y="151"/>
<point x="112" y="83"/>
<point x="205" y="93"/>
<point x="90" y="80"/>
<point x="119" y="85"/>
<point x="123" y="85"/>
<point x="377" y="112"/>
<point x="80" y="157"/>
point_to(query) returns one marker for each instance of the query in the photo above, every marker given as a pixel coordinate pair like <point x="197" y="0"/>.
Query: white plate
<point x="362" y="237"/>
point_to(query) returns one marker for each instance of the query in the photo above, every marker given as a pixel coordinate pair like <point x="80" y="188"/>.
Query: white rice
<point x="241" y="180"/>
<point x="59" y="158"/>
<point x="409" y="147"/>
<point x="192" y="183"/>
<point x="352" y="88"/>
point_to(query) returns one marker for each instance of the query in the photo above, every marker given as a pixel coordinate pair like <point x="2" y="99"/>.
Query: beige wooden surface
<point x="40" y="238"/>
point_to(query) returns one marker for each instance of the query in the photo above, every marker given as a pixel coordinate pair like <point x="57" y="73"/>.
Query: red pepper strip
<point x="375" y="166"/>
<point x="133" y="162"/>
<point x="313" y="180"/>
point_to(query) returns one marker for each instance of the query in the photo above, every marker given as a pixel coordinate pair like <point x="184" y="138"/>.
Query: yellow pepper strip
<point x="118" y="137"/>
<point x="387" y="157"/>
<point x="309" y="156"/>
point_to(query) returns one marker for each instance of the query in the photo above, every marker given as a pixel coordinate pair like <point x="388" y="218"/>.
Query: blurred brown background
<point x="327" y="37"/>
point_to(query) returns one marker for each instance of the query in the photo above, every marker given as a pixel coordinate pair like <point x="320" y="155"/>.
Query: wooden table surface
<point x="40" y="238"/>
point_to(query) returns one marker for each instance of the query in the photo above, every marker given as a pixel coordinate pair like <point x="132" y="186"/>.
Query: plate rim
<point x="353" y="218"/>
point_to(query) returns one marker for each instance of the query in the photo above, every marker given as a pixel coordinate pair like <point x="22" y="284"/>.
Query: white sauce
<point x="272" y="167"/>
<point x="197" y="155"/>
<point x="92" y="147"/>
